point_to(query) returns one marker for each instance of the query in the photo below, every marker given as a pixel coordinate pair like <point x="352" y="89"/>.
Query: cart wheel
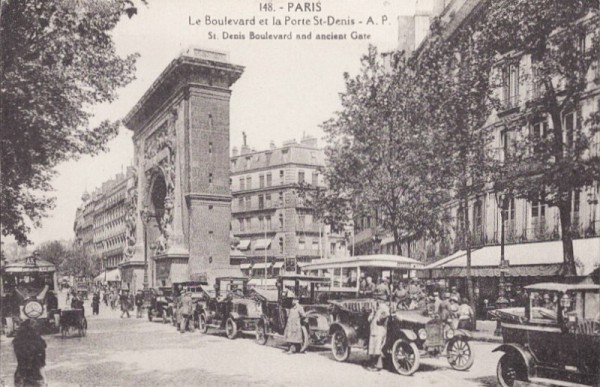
<point x="405" y="357"/>
<point x="305" y="340"/>
<point x="459" y="354"/>
<point x="231" y="328"/>
<point x="202" y="326"/>
<point x="510" y="369"/>
<point x="340" y="348"/>
<point x="261" y="333"/>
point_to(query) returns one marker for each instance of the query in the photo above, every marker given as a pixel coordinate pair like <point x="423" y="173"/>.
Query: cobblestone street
<point x="134" y="351"/>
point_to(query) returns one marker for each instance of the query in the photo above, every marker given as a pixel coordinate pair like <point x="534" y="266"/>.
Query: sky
<point x="287" y="90"/>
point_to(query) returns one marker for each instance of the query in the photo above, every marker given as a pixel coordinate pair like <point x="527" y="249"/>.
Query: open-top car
<point x="315" y="327"/>
<point x="555" y="337"/>
<point x="161" y="304"/>
<point x="410" y="335"/>
<point x="230" y="308"/>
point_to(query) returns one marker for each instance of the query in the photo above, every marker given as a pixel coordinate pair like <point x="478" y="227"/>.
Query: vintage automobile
<point x="315" y="327"/>
<point x="27" y="288"/>
<point x="555" y="339"/>
<point x="410" y="335"/>
<point x="231" y="308"/>
<point x="161" y="304"/>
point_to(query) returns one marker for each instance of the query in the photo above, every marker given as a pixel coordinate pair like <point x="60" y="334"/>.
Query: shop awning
<point x="278" y="265"/>
<point x="525" y="259"/>
<point x="261" y="265"/>
<point x="113" y="275"/>
<point x="245" y="266"/>
<point x="244" y="244"/>
<point x="262" y="244"/>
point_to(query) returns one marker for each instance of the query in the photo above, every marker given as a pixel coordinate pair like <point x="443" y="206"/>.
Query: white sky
<point x="288" y="88"/>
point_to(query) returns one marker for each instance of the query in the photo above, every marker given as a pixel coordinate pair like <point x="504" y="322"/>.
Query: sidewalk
<point x="485" y="332"/>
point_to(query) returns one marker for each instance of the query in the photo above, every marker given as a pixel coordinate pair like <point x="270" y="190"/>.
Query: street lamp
<point x="503" y="202"/>
<point x="145" y="214"/>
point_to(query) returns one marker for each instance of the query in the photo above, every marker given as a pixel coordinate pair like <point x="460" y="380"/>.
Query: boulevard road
<point x="136" y="352"/>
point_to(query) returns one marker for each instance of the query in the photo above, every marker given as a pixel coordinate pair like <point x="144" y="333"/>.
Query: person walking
<point x="30" y="351"/>
<point x="139" y="301"/>
<point x="293" y="328"/>
<point x="378" y="332"/>
<point x="186" y="311"/>
<point x="466" y="316"/>
<point x="124" y="304"/>
<point x="96" y="303"/>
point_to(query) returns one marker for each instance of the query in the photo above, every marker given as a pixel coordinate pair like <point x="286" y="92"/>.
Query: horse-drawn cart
<point x="72" y="319"/>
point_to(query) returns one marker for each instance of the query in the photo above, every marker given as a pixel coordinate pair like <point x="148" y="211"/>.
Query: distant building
<point x="413" y="29"/>
<point x="100" y="221"/>
<point x="270" y="222"/>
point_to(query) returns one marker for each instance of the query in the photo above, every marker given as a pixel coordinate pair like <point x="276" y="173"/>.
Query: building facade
<point x="271" y="222"/>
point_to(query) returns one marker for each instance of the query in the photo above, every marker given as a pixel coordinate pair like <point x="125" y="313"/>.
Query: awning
<point x="525" y="259"/>
<point x="388" y="261"/>
<point x="244" y="244"/>
<point x="113" y="275"/>
<point x="262" y="244"/>
<point x="245" y="266"/>
<point x="261" y="265"/>
<point x="278" y="265"/>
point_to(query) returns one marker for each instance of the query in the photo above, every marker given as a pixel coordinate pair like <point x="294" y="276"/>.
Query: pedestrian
<point x="466" y="317"/>
<point x="139" y="301"/>
<point x="124" y="304"/>
<point x="96" y="304"/>
<point x="378" y="332"/>
<point x="383" y="287"/>
<point x="453" y="312"/>
<point x="30" y="351"/>
<point x="186" y="311"/>
<point x="454" y="292"/>
<point x="293" y="327"/>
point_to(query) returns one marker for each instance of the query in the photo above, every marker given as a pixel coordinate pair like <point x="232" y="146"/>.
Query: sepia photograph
<point x="300" y="193"/>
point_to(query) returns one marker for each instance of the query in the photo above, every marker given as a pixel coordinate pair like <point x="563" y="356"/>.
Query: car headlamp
<point x="422" y="334"/>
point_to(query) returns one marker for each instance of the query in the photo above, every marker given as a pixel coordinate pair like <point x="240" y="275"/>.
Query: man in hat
<point x="293" y="327"/>
<point x="139" y="301"/>
<point x="378" y="332"/>
<point x="186" y="312"/>
<point x="452" y="317"/>
<point x="124" y="299"/>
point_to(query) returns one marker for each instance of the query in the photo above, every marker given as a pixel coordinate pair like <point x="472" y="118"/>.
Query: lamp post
<point x="503" y="202"/>
<point x="145" y="214"/>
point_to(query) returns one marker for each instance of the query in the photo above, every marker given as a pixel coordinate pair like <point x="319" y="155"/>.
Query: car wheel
<point x="231" y="328"/>
<point x="261" y="334"/>
<point x="340" y="347"/>
<point x="459" y="354"/>
<point x="305" y="340"/>
<point x="202" y="325"/>
<point x="511" y="369"/>
<point x="405" y="357"/>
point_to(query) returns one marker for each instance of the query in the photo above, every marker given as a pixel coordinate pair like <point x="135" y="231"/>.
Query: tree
<point x="58" y="59"/>
<point x="54" y="252"/>
<point x="380" y="162"/>
<point x="80" y="262"/>
<point x="549" y="158"/>
<point x="454" y="81"/>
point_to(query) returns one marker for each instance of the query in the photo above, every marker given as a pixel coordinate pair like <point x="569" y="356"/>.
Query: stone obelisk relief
<point x="180" y="208"/>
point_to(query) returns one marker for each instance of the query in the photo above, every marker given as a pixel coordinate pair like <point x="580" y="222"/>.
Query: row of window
<point x="266" y="180"/>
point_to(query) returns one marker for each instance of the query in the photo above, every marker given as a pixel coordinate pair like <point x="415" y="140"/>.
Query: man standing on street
<point x="186" y="312"/>
<point x="293" y="327"/>
<point x="139" y="301"/>
<point x="124" y="304"/>
<point x="378" y="332"/>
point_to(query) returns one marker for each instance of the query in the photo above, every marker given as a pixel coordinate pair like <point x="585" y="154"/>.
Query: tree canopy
<point x="58" y="59"/>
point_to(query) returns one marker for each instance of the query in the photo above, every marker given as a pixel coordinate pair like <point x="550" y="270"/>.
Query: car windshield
<point x="544" y="305"/>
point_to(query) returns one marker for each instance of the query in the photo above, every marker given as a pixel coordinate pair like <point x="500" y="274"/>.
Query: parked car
<point x="410" y="336"/>
<point x="315" y="327"/>
<point x="556" y="337"/>
<point x="231" y="308"/>
<point x="161" y="304"/>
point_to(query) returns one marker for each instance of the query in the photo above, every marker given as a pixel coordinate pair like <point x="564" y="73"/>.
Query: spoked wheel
<point x="340" y="348"/>
<point x="202" y="326"/>
<point x="405" y="357"/>
<point x="83" y="327"/>
<point x="459" y="355"/>
<point x="231" y="328"/>
<point x="510" y="369"/>
<point x="305" y="340"/>
<point x="261" y="334"/>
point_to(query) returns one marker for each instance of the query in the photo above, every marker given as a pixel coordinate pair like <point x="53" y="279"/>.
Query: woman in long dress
<point x="293" y="327"/>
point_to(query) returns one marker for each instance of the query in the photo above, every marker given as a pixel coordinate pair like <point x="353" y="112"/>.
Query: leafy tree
<point x="80" y="262"/>
<point x="54" y="252"/>
<point x="454" y="81"/>
<point x="380" y="161"/>
<point x="549" y="158"/>
<point x="58" y="59"/>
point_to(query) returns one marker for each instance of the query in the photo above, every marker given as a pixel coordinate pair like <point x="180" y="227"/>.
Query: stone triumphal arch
<point x="179" y="199"/>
